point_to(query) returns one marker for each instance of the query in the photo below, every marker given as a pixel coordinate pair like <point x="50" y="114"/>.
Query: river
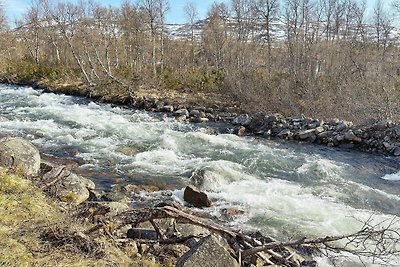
<point x="286" y="189"/>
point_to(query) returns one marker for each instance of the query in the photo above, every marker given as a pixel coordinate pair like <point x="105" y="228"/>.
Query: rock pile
<point x="380" y="136"/>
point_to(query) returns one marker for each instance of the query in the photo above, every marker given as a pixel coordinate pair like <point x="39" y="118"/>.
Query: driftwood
<point x="238" y="241"/>
<point x="384" y="239"/>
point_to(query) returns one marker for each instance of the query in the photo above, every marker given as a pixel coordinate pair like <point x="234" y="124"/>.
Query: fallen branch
<point x="382" y="239"/>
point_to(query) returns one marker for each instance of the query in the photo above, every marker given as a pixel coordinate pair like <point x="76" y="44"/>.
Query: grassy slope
<point x="25" y="213"/>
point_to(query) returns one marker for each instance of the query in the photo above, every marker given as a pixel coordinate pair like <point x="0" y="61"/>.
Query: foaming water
<point x="285" y="189"/>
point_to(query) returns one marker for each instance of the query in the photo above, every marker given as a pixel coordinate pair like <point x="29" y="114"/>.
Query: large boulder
<point x="198" y="199"/>
<point x="21" y="155"/>
<point x="208" y="252"/>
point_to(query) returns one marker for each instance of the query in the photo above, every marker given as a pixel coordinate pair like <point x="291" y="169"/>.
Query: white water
<point x="285" y="189"/>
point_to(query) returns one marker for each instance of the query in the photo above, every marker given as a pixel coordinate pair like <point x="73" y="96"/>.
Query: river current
<point x="286" y="189"/>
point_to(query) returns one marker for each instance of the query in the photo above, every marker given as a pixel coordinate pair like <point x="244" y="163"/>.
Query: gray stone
<point x="323" y="135"/>
<point x="257" y="121"/>
<point x="139" y="233"/>
<point x="181" y="112"/>
<point x="194" y="113"/>
<point x="343" y="125"/>
<point x="210" y="116"/>
<point x="181" y="118"/>
<point x="388" y="146"/>
<point x="319" y="130"/>
<point x="21" y="155"/>
<point x="303" y="135"/>
<point x="358" y="132"/>
<point x="285" y="133"/>
<point x="209" y="110"/>
<point x="243" y="120"/>
<point x="208" y="252"/>
<point x="198" y="199"/>
<point x="339" y="137"/>
<point x="71" y="188"/>
<point x="74" y="188"/>
<point x="298" y="118"/>
<point x="350" y="136"/>
<point x="190" y="229"/>
<point x="313" y="125"/>
<point x="202" y="114"/>
<point x="274" y="118"/>
<point x="167" y="108"/>
<point x="396" y="151"/>
<point x="334" y="122"/>
<point x="382" y="125"/>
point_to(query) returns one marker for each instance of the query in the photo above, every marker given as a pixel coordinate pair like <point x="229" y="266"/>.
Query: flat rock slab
<point x="208" y="252"/>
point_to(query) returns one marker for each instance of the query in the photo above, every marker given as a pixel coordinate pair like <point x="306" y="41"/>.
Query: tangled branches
<point x="376" y="242"/>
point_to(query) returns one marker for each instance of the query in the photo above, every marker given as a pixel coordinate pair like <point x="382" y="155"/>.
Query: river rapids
<point x="286" y="189"/>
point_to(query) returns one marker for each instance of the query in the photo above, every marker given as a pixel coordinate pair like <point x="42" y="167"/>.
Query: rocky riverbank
<point x="107" y="209"/>
<point x="379" y="136"/>
<point x="168" y="234"/>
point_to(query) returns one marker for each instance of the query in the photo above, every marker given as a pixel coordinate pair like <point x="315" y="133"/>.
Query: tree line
<point x="323" y="58"/>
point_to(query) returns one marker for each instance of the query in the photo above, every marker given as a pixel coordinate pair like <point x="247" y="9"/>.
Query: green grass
<point x="26" y="213"/>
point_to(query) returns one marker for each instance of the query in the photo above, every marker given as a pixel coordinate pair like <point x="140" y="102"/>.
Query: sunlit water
<point x="286" y="189"/>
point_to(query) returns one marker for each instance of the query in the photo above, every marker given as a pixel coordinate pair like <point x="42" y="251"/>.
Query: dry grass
<point x="26" y="218"/>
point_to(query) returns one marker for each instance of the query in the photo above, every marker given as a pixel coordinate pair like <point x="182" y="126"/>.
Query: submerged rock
<point x="128" y="151"/>
<point x="208" y="252"/>
<point x="198" y="199"/>
<point x="3" y="119"/>
<point x="231" y="213"/>
<point x="239" y="131"/>
<point x="21" y="155"/>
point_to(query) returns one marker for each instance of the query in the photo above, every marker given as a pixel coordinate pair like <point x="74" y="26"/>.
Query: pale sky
<point x="14" y="8"/>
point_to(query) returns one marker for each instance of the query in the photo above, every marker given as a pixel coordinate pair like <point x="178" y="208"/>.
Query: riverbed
<point x="286" y="189"/>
